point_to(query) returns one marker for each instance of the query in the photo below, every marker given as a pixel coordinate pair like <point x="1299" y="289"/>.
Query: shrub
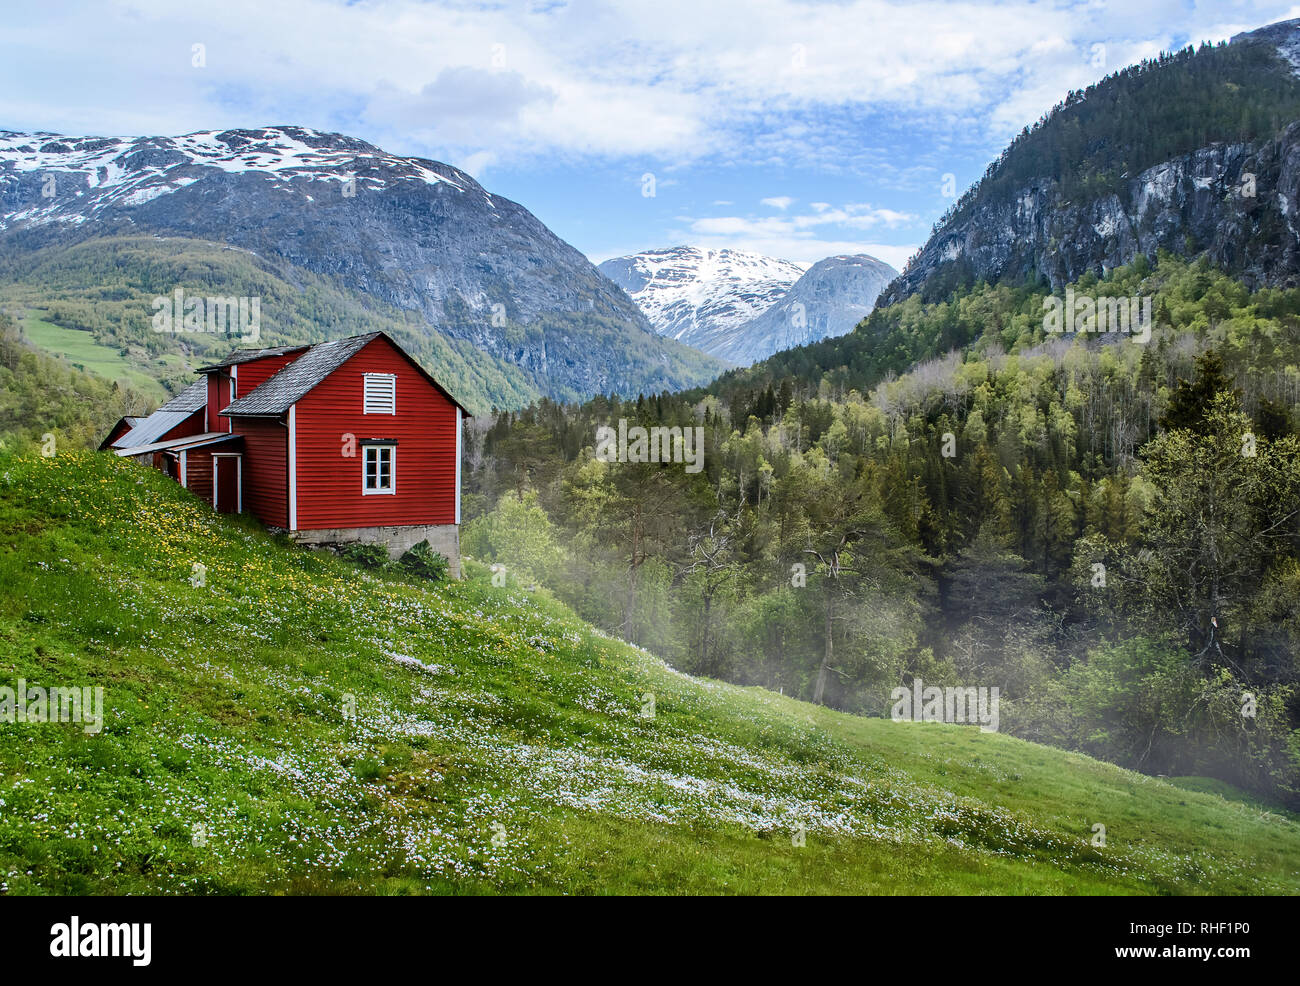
<point x="367" y="555"/>
<point x="423" y="561"/>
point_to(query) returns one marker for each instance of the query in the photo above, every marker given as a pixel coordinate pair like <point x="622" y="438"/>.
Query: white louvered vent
<point x="381" y="393"/>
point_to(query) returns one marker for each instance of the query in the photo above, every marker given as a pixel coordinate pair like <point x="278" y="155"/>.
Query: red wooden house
<point x="343" y="441"/>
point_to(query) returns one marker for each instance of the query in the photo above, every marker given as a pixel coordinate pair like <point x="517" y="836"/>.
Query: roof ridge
<point x="245" y="354"/>
<point x="192" y="398"/>
<point x="236" y="356"/>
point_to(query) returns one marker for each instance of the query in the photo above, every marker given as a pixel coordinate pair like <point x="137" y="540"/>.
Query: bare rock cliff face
<point x="1233" y="201"/>
<point x="1236" y="203"/>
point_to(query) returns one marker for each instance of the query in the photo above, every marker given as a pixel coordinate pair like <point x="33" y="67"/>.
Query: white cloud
<point x="897" y="90"/>
<point x="462" y="106"/>
<point x="734" y="78"/>
<point x="802" y="238"/>
<point x="476" y="164"/>
<point x="853" y="215"/>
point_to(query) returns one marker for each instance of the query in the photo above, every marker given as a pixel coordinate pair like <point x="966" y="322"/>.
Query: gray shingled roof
<point x="293" y="382"/>
<point x="191" y="399"/>
<point x="244" y="355"/>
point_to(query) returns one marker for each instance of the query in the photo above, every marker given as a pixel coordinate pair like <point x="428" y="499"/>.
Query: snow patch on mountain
<point x="130" y="171"/>
<point x="829" y="300"/>
<point x="743" y="307"/>
<point x="693" y="294"/>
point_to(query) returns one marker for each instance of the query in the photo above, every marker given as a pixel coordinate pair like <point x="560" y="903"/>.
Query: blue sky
<point x="795" y="128"/>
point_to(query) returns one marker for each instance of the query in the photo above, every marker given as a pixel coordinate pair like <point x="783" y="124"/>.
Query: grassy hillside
<point x="498" y="743"/>
<point x="44" y="395"/>
<point x="83" y="352"/>
<point x="93" y="302"/>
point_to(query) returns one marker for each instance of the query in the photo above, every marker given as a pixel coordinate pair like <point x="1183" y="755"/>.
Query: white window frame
<point x="392" y="468"/>
<point x="366" y="379"/>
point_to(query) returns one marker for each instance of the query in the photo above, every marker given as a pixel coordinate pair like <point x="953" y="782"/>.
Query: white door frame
<point x="239" y="479"/>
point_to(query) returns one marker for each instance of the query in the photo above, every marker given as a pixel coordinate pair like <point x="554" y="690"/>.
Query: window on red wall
<point x="379" y="469"/>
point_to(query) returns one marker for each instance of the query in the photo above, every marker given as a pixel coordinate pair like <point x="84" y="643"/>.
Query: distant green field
<point x="83" y="351"/>
<point x="276" y="720"/>
<point x="106" y="286"/>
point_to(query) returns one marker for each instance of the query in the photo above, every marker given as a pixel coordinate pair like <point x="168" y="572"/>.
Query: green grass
<point x="84" y="352"/>
<point x="498" y="743"/>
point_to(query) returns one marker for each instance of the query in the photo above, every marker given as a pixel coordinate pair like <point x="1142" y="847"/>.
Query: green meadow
<point x="83" y="352"/>
<point x="281" y="721"/>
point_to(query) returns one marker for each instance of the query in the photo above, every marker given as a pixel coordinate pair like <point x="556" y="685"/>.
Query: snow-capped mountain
<point x="743" y="307"/>
<point x="103" y="172"/>
<point x="419" y="235"/>
<point x="829" y="300"/>
<point x="695" y="295"/>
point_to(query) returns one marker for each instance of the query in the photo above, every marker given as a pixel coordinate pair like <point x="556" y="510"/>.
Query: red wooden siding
<point x="218" y="398"/>
<point x="266" y="468"/>
<point x="198" y="473"/>
<point x="424" y="427"/>
<point x="255" y="372"/>
<point x="193" y="425"/>
<point x="228" y="470"/>
<point x="119" y="429"/>
<point x="245" y="377"/>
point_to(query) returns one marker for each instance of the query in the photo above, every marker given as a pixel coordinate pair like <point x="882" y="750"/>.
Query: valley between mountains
<point x="676" y="673"/>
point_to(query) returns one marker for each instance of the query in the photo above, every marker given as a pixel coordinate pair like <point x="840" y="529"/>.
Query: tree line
<point x="1108" y="532"/>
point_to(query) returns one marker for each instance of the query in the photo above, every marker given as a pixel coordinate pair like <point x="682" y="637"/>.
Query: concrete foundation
<point x="442" y="538"/>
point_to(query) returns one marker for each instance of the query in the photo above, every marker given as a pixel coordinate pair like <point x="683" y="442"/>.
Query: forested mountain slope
<point x="1196" y="152"/>
<point x="104" y="290"/>
<point x="947" y="523"/>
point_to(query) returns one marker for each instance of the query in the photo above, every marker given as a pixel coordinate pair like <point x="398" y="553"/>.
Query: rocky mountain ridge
<point x="416" y="234"/>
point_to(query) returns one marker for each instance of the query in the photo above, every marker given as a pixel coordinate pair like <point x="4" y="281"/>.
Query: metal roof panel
<point x="152" y="428"/>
